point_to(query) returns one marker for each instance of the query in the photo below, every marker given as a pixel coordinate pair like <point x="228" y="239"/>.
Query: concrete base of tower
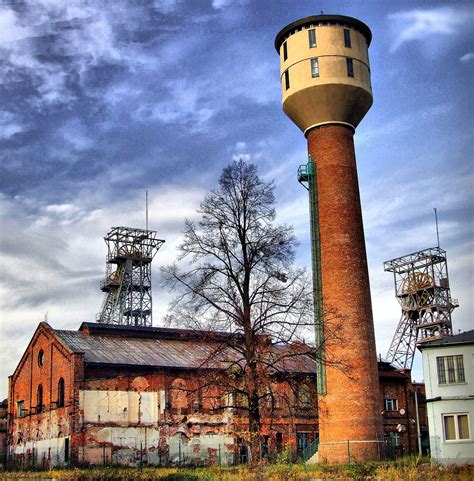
<point x="350" y="451"/>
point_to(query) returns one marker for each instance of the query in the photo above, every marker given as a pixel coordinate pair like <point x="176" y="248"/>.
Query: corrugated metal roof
<point x="133" y="351"/>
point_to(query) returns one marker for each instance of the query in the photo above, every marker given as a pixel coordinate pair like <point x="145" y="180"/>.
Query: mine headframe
<point x="127" y="283"/>
<point x="422" y="289"/>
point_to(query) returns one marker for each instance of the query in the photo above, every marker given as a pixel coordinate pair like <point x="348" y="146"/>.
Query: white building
<point x="448" y="366"/>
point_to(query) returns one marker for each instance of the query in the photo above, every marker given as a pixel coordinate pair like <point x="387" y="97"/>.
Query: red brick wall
<point x="58" y="363"/>
<point x="351" y="408"/>
<point x="405" y="424"/>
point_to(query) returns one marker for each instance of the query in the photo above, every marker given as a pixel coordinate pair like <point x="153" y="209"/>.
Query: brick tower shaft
<point x="350" y="411"/>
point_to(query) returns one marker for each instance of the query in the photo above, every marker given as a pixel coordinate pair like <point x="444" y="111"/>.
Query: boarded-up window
<point x="179" y="396"/>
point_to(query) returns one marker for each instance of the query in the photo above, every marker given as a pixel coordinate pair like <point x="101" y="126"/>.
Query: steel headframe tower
<point x="127" y="283"/>
<point x="422" y="289"/>
<point x="325" y="79"/>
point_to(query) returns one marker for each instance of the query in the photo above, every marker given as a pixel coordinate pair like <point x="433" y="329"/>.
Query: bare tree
<point x="239" y="280"/>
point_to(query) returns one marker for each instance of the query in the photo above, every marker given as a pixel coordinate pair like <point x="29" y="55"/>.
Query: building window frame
<point x="312" y="38"/>
<point x="60" y="393"/>
<point x="302" y="441"/>
<point x="304" y="396"/>
<point x="456" y="427"/>
<point x="314" y="67"/>
<point x="391" y="404"/>
<point x="20" y="408"/>
<point x="350" y="67"/>
<point x="347" y="38"/>
<point x="39" y="399"/>
<point x="285" y="51"/>
<point x="66" y="450"/>
<point x="40" y="358"/>
<point x="450" y="369"/>
<point x="395" y="439"/>
<point x="287" y="79"/>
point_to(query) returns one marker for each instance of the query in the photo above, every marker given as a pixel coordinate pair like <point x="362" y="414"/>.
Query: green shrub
<point x="285" y="456"/>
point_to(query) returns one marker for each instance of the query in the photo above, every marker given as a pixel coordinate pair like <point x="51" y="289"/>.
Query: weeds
<point x="407" y="469"/>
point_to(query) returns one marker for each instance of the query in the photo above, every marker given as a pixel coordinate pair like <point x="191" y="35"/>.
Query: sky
<point x="102" y="100"/>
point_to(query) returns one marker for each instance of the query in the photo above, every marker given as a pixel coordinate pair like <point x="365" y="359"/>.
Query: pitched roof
<point x="466" y="337"/>
<point x="159" y="347"/>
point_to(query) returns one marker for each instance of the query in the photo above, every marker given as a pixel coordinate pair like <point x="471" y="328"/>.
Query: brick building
<point x="398" y="393"/>
<point x="124" y="395"/>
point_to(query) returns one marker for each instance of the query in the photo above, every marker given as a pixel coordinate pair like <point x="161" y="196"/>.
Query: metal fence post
<point x="348" y="452"/>
<point x="219" y="460"/>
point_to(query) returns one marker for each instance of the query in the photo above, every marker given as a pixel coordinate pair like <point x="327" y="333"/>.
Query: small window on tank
<point x="350" y="67"/>
<point x="347" y="38"/>
<point x="314" y="67"/>
<point x="285" y="51"/>
<point x="312" y="38"/>
<point x="287" y="80"/>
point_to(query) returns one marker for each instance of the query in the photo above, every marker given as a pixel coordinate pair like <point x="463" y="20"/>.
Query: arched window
<point x="41" y="358"/>
<point x="61" y="393"/>
<point x="39" y="399"/>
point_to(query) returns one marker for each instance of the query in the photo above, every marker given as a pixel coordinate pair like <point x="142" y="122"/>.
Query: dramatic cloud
<point x="102" y="101"/>
<point x="425" y="24"/>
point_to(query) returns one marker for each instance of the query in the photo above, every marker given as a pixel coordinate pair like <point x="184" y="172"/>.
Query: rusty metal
<point x="127" y="283"/>
<point x="422" y="289"/>
<point x="156" y="347"/>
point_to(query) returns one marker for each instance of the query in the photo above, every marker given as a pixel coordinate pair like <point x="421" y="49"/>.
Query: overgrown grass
<point x="413" y="468"/>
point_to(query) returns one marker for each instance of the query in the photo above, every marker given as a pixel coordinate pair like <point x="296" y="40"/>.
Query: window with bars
<point x="456" y="427"/>
<point x="347" y="38"/>
<point x="450" y="369"/>
<point x="314" y="67"/>
<point x="312" y="38"/>
<point x="350" y="67"/>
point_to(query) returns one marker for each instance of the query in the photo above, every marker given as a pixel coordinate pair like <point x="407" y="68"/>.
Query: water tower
<point x="325" y="78"/>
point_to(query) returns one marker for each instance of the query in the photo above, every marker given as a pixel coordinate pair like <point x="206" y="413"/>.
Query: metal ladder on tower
<point x="307" y="178"/>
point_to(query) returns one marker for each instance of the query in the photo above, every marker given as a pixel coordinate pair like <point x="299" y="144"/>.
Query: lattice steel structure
<point x="422" y="289"/>
<point x="127" y="283"/>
